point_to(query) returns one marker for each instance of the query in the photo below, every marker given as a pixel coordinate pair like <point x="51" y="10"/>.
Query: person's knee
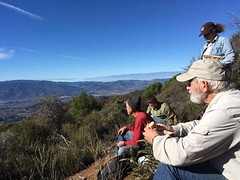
<point x="120" y="151"/>
<point x="128" y="151"/>
<point x="164" y="171"/>
<point x="162" y="167"/>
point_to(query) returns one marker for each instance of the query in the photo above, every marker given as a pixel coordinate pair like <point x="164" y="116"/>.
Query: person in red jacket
<point x="129" y="135"/>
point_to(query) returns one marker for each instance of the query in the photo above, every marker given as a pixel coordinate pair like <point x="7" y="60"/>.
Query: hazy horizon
<point x="133" y="76"/>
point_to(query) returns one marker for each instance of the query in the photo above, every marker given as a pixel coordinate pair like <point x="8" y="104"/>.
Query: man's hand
<point x="120" y="143"/>
<point x="149" y="134"/>
<point x="161" y="127"/>
<point x="122" y="129"/>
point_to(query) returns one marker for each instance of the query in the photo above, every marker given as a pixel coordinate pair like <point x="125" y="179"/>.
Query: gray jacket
<point x="216" y="137"/>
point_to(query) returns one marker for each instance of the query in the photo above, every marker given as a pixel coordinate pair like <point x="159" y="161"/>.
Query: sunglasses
<point x="189" y="82"/>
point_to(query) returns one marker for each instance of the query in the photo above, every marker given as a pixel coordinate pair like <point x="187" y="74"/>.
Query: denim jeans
<point x="124" y="150"/>
<point x="201" y="171"/>
<point x="159" y="120"/>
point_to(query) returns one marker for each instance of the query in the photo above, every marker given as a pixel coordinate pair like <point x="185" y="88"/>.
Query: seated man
<point x="208" y="148"/>
<point x="129" y="135"/>
<point x="160" y="111"/>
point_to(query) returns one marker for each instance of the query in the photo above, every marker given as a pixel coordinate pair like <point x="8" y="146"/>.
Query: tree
<point x="235" y="22"/>
<point x="236" y="65"/>
<point x="52" y="111"/>
<point x="82" y="105"/>
<point x="153" y="88"/>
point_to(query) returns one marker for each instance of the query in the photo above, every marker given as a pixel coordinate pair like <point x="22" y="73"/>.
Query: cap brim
<point x="184" y="77"/>
<point x="205" y="32"/>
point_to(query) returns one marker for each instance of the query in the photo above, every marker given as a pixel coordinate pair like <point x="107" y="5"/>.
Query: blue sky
<point x="70" y="40"/>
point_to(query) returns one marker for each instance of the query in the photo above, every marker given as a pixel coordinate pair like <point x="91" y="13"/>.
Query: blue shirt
<point x="221" y="46"/>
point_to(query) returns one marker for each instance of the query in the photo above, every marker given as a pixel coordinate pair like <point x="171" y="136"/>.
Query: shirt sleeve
<point x="129" y="128"/>
<point x="210" y="138"/>
<point x="149" y="110"/>
<point x="182" y="129"/>
<point x="228" y="56"/>
<point x="137" y="132"/>
<point x="167" y="111"/>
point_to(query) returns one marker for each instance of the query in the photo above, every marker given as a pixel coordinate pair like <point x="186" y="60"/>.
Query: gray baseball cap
<point x="206" y="69"/>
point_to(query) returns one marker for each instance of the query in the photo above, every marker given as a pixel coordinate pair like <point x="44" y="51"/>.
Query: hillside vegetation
<point x="64" y="138"/>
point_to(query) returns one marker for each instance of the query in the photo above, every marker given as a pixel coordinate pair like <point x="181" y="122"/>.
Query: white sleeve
<point x="182" y="129"/>
<point x="210" y="138"/>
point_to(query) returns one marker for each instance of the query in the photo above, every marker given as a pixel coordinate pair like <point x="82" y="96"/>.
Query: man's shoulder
<point x="230" y="97"/>
<point x="234" y="93"/>
<point x="164" y="104"/>
<point x="141" y="113"/>
<point x="222" y="38"/>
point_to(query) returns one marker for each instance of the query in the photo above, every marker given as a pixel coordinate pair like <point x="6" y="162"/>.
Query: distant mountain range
<point x="29" y="90"/>
<point x="136" y="76"/>
<point x="103" y="86"/>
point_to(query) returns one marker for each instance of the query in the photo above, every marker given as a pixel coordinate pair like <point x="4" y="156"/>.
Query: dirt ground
<point x="91" y="172"/>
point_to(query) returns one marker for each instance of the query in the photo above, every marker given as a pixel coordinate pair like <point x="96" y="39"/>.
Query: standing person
<point x="217" y="47"/>
<point x="129" y="135"/>
<point x="160" y="111"/>
<point x="208" y="148"/>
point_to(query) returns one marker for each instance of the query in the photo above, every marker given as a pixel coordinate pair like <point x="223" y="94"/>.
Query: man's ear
<point x="204" y="86"/>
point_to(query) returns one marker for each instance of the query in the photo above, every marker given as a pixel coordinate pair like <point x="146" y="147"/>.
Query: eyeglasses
<point x="189" y="82"/>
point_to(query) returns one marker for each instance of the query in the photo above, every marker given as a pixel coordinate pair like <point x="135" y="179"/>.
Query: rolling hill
<point x="29" y="89"/>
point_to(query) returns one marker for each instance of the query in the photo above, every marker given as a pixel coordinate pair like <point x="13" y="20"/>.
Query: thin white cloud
<point x="21" y="11"/>
<point x="29" y="50"/>
<point x="71" y="57"/>
<point x="6" y="54"/>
